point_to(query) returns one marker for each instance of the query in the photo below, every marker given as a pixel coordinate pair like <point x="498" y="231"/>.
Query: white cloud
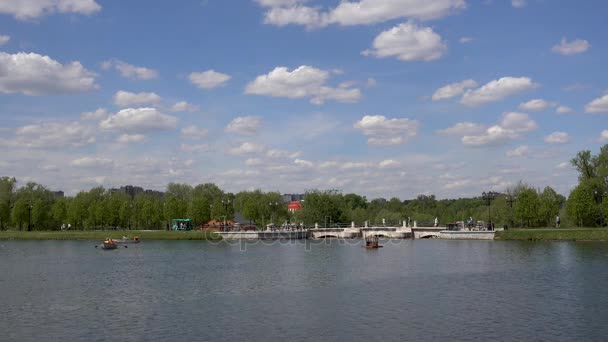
<point x="371" y="83"/>
<point x="518" y="122"/>
<point x="604" y="136"/>
<point x="244" y="125"/>
<point x="254" y="162"/>
<point x="92" y="162"/>
<point x="303" y="82"/>
<point x="4" y="39"/>
<point x="247" y="148"/>
<point x="29" y="9"/>
<point x="493" y="136"/>
<point x="520" y="151"/>
<point x="574" y="47"/>
<point x="303" y="163"/>
<point x="281" y="154"/>
<point x="465" y="40"/>
<point x="563" y="109"/>
<point x="99" y="114"/>
<point x="557" y="138"/>
<point x="534" y="105"/>
<point x="51" y="135"/>
<point x="563" y="165"/>
<point x="125" y="99"/>
<point x="383" y="132"/>
<point x="139" y="120"/>
<point x="131" y="71"/>
<point x="463" y="128"/>
<point x="34" y="74"/>
<point x="389" y="164"/>
<point x="510" y="128"/>
<point x="195" y="148"/>
<point x="363" y="12"/>
<point x="599" y="105"/>
<point x="519" y="3"/>
<point x="453" y="89"/>
<point x="194" y="132"/>
<point x="208" y="79"/>
<point x="497" y="90"/>
<point x="408" y="42"/>
<point x="131" y="139"/>
<point x="183" y="106"/>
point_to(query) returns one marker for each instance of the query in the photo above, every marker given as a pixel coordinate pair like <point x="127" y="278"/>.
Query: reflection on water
<point x="411" y="290"/>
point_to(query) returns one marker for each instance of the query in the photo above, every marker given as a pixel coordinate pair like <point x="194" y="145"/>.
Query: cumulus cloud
<point x="281" y="154"/>
<point x="139" y="120"/>
<point x="519" y="151"/>
<point x="519" y="3"/>
<point x="463" y="128"/>
<point x="604" y="136"/>
<point x="30" y="9"/>
<point x="453" y="89"/>
<point x="92" y="162"/>
<point x="125" y="99"/>
<point x="497" y="90"/>
<point x="557" y="138"/>
<point x="208" y="79"/>
<point x="518" y="122"/>
<point x="465" y="40"/>
<point x="534" y="105"/>
<point x="34" y="74"/>
<point x="131" y="139"/>
<point x="363" y="12"/>
<point x="303" y="163"/>
<point x="244" y="125"/>
<point x="563" y="109"/>
<point x="408" y="42"/>
<point x="574" y="47"/>
<point x="303" y="82"/>
<point x="383" y="132"/>
<point x="195" y="148"/>
<point x="246" y="148"/>
<point x="4" y="39"/>
<point x="99" y="114"/>
<point x="130" y="71"/>
<point x="599" y="105"/>
<point x="51" y="135"/>
<point x="511" y="127"/>
<point x="183" y="106"/>
<point x="563" y="165"/>
<point x="389" y="164"/>
<point x="194" y="133"/>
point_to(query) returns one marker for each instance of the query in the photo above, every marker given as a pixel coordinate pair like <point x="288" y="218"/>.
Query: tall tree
<point x="526" y="207"/>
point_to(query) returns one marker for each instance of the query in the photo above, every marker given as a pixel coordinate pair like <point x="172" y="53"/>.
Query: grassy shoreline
<point x="565" y="234"/>
<point x="102" y="234"/>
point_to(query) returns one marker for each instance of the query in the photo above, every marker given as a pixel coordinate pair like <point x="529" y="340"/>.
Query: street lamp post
<point x="29" y="217"/>
<point x="326" y="221"/>
<point x="601" y="195"/>
<point x="225" y="203"/>
<point x="511" y="200"/>
<point x="489" y="197"/>
<point x="273" y="206"/>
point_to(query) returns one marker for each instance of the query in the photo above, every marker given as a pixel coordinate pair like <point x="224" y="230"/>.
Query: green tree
<point x="323" y="207"/>
<point x="550" y="204"/>
<point x="526" y="207"/>
<point x="59" y="211"/>
<point x="581" y="206"/>
<point x="20" y="214"/>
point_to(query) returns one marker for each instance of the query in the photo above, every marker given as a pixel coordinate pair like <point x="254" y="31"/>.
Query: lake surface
<point x="411" y="290"/>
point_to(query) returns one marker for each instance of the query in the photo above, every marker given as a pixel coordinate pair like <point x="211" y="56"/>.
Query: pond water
<point x="410" y="290"/>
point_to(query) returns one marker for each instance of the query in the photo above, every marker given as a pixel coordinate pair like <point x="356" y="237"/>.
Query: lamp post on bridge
<point x="510" y="201"/>
<point x="29" y="217"/>
<point x="273" y="206"/>
<point x="489" y="197"/>
<point x="326" y="217"/>
<point x="225" y="203"/>
<point x="601" y="195"/>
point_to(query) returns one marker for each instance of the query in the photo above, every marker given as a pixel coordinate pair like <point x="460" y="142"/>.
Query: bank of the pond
<point x="102" y="234"/>
<point x="571" y="234"/>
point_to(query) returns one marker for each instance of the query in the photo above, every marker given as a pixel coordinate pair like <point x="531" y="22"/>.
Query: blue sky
<point x="380" y="97"/>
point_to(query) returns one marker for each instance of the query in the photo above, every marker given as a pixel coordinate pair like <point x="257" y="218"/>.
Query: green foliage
<point x="581" y="205"/>
<point x="550" y="204"/>
<point x="526" y="207"/>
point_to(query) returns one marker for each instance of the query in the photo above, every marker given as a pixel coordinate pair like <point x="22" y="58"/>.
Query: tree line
<point x="33" y="206"/>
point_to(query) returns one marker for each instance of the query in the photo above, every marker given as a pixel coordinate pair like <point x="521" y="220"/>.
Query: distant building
<point x="133" y="191"/>
<point x="294" y="206"/>
<point x="287" y="198"/>
<point x="57" y="194"/>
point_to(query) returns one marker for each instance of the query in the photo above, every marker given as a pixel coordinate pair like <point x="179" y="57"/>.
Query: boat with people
<point x="371" y="242"/>
<point x="125" y="239"/>
<point x="109" y="244"/>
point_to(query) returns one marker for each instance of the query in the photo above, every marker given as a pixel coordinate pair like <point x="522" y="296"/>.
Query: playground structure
<point x="181" y="224"/>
